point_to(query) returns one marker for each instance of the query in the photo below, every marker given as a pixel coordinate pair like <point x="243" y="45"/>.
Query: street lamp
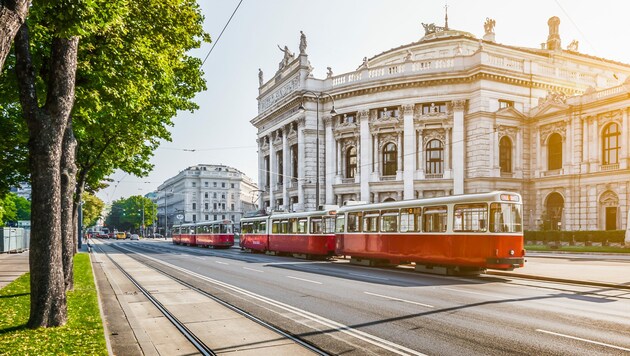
<point x="333" y="112"/>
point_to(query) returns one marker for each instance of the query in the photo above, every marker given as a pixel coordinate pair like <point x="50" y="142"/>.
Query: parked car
<point x="121" y="236"/>
<point x="155" y="236"/>
<point x="112" y="235"/>
<point x="102" y="236"/>
<point x="134" y="237"/>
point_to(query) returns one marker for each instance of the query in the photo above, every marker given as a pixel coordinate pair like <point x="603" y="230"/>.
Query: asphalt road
<point x="348" y="309"/>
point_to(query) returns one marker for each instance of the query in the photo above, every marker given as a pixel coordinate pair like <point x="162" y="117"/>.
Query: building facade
<point x="205" y="192"/>
<point x="452" y="114"/>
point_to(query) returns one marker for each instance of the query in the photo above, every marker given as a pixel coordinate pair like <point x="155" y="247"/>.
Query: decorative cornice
<point x="408" y="109"/>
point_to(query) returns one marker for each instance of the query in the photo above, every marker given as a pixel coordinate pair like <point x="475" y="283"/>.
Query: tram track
<point x="194" y="339"/>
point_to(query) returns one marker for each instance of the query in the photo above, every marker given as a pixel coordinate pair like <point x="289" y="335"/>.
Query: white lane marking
<point x="400" y="300"/>
<point x="305" y="280"/>
<point x="221" y="263"/>
<point x="368" y="276"/>
<point x="469" y="292"/>
<point x="251" y="269"/>
<point x="585" y="340"/>
<point x="199" y="258"/>
<point x="333" y="325"/>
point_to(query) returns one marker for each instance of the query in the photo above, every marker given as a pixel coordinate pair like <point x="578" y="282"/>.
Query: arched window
<point x="610" y="144"/>
<point x="505" y="154"/>
<point x="390" y="156"/>
<point x="351" y="162"/>
<point x="554" y="152"/>
<point x="435" y="157"/>
<point x="554" y="205"/>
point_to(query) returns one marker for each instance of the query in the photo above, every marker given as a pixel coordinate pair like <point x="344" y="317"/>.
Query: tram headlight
<point x="511" y="252"/>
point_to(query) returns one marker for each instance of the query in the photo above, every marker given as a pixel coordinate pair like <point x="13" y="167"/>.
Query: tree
<point x="92" y="209"/>
<point x="128" y="213"/>
<point x="12" y="15"/>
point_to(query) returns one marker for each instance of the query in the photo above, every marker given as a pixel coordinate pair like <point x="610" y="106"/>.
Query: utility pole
<point x="143" y="230"/>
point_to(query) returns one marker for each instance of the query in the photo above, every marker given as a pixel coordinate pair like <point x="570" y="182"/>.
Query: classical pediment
<point x="510" y="113"/>
<point x="547" y="108"/>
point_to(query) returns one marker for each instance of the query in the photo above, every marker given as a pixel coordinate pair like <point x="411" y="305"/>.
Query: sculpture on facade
<point x="408" y="56"/>
<point x="573" y="46"/>
<point x="260" y="77"/>
<point x="288" y="57"/>
<point x="365" y="64"/>
<point x="488" y="26"/>
<point x="429" y="28"/>
<point x="329" y="72"/>
<point x="302" y="43"/>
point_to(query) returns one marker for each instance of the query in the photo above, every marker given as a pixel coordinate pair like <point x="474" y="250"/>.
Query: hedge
<point x="600" y="236"/>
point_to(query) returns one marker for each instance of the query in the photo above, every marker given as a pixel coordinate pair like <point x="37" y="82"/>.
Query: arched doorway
<point x="554" y="207"/>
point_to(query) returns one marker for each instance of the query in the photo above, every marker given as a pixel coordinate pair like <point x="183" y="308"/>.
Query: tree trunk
<point x="12" y="15"/>
<point x="46" y="127"/>
<point x="68" y="181"/>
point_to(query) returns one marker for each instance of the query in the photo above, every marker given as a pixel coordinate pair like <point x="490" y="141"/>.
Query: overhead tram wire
<point x="218" y="38"/>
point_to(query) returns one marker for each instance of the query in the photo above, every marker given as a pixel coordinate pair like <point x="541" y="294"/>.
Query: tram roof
<point x="463" y="198"/>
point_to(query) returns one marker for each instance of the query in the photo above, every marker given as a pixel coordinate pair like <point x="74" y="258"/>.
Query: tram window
<point x="316" y="226"/>
<point x="247" y="228"/>
<point x="329" y="224"/>
<point x="284" y="225"/>
<point x="435" y="219"/>
<point x="275" y="227"/>
<point x="505" y="217"/>
<point x="301" y="226"/>
<point x="354" y="222"/>
<point x="262" y="227"/>
<point x="389" y="221"/>
<point x="340" y="223"/>
<point x="470" y="217"/>
<point x="215" y="228"/>
<point x="292" y="226"/>
<point x="370" y="222"/>
<point x="223" y="228"/>
<point x="203" y="229"/>
<point x="191" y="231"/>
<point x="410" y="219"/>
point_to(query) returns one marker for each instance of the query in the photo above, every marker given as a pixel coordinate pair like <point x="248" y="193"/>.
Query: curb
<point x="560" y="280"/>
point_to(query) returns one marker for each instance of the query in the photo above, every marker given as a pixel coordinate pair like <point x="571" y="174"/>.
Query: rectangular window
<point x="505" y="104"/>
<point x="316" y="226"/>
<point x="214" y="195"/>
<point x="275" y="226"/>
<point x="215" y="206"/>
<point x="301" y="226"/>
<point x="232" y="207"/>
<point x="354" y="222"/>
<point x="222" y="184"/>
<point x="207" y="217"/>
<point x="329" y="224"/>
<point x="194" y="184"/>
<point x="370" y="221"/>
<point x="470" y="217"/>
<point x="389" y="221"/>
<point x="194" y="206"/>
<point x="206" y="205"/>
<point x="410" y="219"/>
<point x="222" y="217"/>
<point x="292" y="227"/>
<point x="223" y="196"/>
<point x="215" y="217"/>
<point x="231" y="185"/>
<point x="205" y="195"/>
<point x="205" y="184"/>
<point x="247" y="228"/>
<point x="435" y="218"/>
<point x="194" y="217"/>
<point x="340" y="223"/>
<point x="284" y="226"/>
<point x="214" y="184"/>
<point x="505" y="217"/>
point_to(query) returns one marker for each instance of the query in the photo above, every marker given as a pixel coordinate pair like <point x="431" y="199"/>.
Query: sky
<point x="339" y="34"/>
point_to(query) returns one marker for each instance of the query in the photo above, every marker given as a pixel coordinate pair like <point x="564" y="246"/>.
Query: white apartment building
<point x="453" y="114"/>
<point x="205" y="192"/>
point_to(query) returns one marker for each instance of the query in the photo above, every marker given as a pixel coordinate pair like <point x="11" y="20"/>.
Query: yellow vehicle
<point x="120" y="235"/>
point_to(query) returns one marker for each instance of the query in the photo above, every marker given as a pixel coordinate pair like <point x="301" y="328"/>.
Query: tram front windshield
<point x="506" y="217"/>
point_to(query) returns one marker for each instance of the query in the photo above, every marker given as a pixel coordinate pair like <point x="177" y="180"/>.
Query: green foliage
<point x="9" y="209"/>
<point x="82" y="335"/>
<point x="599" y="236"/>
<point x="92" y="209"/>
<point x="126" y="214"/>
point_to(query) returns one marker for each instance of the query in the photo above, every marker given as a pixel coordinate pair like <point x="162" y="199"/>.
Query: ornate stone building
<point x="452" y="114"/>
<point x="205" y="192"/>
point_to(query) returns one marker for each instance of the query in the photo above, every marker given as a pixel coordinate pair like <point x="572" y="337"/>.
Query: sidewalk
<point x="12" y="265"/>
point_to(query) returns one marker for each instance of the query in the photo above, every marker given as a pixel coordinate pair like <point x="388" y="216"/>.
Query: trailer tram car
<point x="184" y="234"/>
<point x="216" y="234"/>
<point x="254" y="234"/>
<point x="307" y="235"/>
<point x="455" y="234"/>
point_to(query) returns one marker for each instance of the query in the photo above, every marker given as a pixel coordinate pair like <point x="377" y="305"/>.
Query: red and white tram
<point x="460" y="233"/>
<point x="308" y="234"/>
<point x="216" y="234"/>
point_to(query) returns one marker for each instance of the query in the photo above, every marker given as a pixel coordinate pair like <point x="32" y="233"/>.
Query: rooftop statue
<point x="288" y="57"/>
<point x="260" y="77"/>
<point x="488" y="26"/>
<point x="429" y="28"/>
<point x="302" y="43"/>
<point x="573" y="46"/>
<point x="329" y="72"/>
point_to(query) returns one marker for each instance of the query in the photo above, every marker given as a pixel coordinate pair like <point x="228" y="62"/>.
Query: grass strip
<point x="578" y="249"/>
<point x="82" y="335"/>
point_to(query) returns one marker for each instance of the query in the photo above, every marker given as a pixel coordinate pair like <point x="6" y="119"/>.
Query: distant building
<point x="453" y="114"/>
<point x="24" y="190"/>
<point x="205" y="192"/>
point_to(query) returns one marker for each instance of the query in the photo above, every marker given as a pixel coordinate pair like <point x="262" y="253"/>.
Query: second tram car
<point x="460" y="233"/>
<point x="184" y="234"/>
<point x="217" y="234"/>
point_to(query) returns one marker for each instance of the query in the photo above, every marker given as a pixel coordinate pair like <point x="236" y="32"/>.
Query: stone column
<point x="625" y="141"/>
<point x="301" y="158"/>
<point x="399" y="158"/>
<point x="494" y="153"/>
<point x="329" y="174"/>
<point x="421" y="154"/>
<point x="593" y="138"/>
<point x="366" y="151"/>
<point x="448" y="139"/>
<point x="518" y="158"/>
<point x="410" y="152"/>
<point x="585" y="154"/>
<point x="261" y="170"/>
<point x="458" y="146"/>
<point x="286" y="168"/>
<point x="272" y="173"/>
<point x="339" y="158"/>
<point x="539" y="155"/>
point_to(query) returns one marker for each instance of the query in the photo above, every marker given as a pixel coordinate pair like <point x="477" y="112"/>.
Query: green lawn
<point x="82" y="335"/>
<point x="584" y="249"/>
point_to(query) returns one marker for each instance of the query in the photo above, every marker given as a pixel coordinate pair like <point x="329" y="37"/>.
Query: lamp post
<point x="333" y="112"/>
